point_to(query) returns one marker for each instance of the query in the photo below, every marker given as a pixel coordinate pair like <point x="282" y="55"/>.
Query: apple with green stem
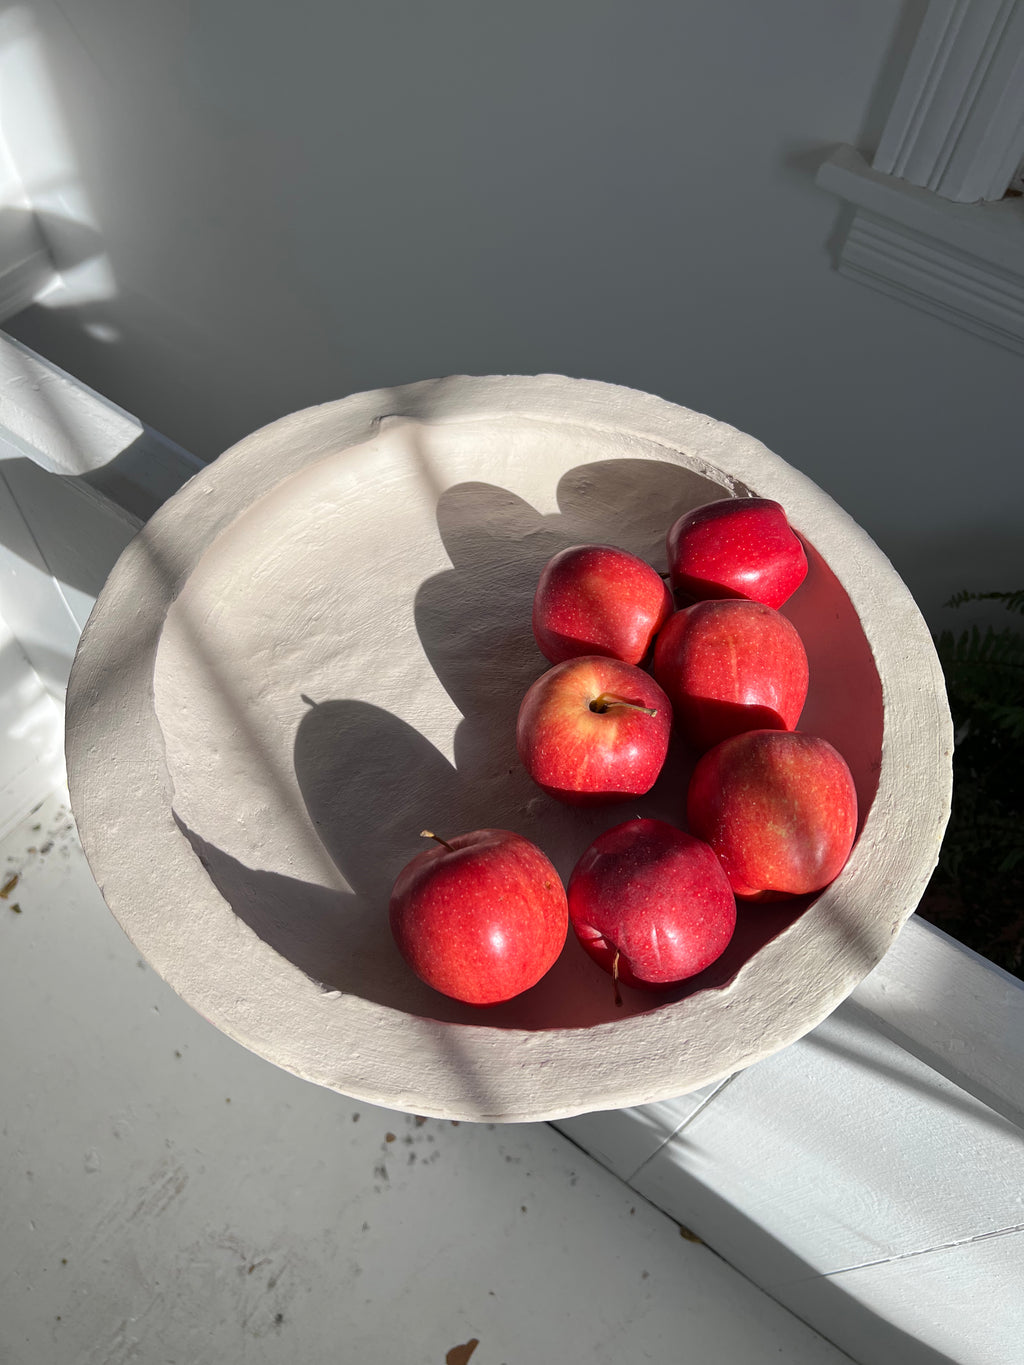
<point x="480" y="917"/>
<point x="651" y="904"/>
<point x="594" y="730"/>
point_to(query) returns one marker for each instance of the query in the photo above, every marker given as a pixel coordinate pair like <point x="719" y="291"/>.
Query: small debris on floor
<point x="459" y="1355"/>
<point x="9" y="886"/>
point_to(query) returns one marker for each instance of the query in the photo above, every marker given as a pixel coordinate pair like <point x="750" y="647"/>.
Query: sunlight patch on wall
<point x="38" y="170"/>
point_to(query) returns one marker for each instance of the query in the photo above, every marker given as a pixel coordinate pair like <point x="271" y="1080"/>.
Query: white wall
<point x="291" y="203"/>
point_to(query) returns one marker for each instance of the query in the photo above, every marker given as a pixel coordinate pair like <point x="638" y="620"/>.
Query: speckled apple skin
<point x="585" y="757"/>
<point x="729" y="666"/>
<point x="779" y="808"/>
<point x="597" y="599"/>
<point x="481" y="920"/>
<point x="737" y="547"/>
<point x="657" y="897"/>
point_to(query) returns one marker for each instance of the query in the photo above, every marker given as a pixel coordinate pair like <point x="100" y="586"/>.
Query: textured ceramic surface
<point x="317" y="649"/>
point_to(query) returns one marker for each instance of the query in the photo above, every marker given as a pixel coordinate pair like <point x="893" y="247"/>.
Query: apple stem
<point x="615" y="979"/>
<point x="608" y="699"/>
<point x="429" y="834"/>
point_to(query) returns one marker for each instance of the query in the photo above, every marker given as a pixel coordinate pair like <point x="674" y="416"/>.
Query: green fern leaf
<point x="1013" y="601"/>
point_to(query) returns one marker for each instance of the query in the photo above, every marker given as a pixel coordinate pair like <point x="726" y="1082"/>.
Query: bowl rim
<point x="120" y="785"/>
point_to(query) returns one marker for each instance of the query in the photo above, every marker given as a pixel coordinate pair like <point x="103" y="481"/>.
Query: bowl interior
<point x="343" y="669"/>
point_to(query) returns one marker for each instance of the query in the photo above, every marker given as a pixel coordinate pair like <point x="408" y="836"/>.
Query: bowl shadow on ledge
<point x="370" y="782"/>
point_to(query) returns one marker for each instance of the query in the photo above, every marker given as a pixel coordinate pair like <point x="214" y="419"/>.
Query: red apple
<point x="595" y="599"/>
<point x="480" y="917"/>
<point x="778" y="807"/>
<point x="729" y="666"/>
<point x="594" y="729"/>
<point x="737" y="547"/>
<point x="651" y="904"/>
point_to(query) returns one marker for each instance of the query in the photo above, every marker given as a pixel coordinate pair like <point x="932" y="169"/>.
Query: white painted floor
<point x="169" y="1197"/>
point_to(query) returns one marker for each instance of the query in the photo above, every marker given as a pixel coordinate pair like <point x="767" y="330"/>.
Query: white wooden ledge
<point x="870" y="1176"/>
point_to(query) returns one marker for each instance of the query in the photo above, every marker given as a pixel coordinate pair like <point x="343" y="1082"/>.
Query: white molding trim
<point x="931" y="225"/>
<point x="937" y="278"/>
<point x="54" y="419"/>
<point x="957" y="124"/>
<point x="993" y="233"/>
<point x="963" y="263"/>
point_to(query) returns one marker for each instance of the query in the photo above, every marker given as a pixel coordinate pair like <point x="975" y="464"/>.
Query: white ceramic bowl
<point x="317" y="648"/>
